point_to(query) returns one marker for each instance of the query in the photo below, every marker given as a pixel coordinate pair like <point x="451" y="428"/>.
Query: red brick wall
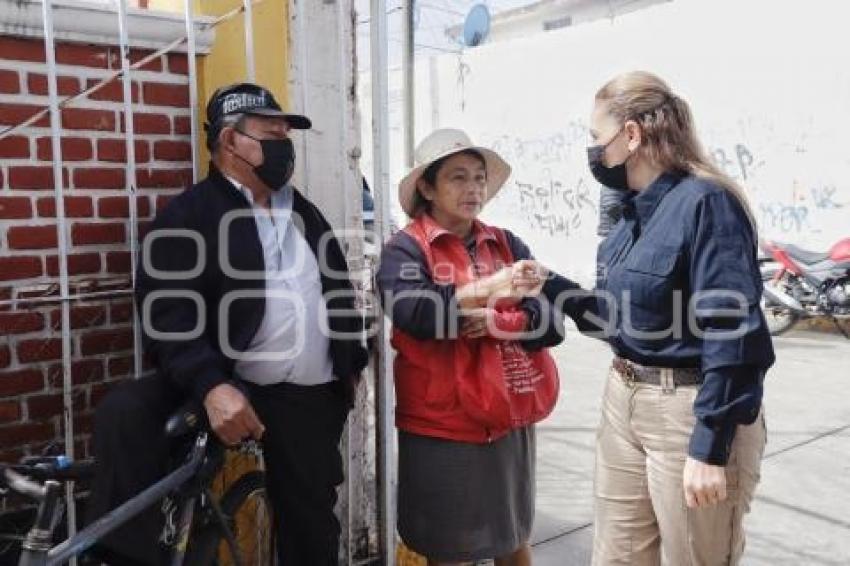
<point x="97" y="227"/>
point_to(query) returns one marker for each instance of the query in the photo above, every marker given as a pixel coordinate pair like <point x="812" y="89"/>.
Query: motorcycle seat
<point x="805" y="256"/>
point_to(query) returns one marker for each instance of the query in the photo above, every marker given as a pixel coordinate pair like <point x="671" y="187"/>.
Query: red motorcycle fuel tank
<point x="840" y="251"/>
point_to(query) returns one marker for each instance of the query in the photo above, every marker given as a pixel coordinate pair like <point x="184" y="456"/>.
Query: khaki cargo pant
<point x="640" y="510"/>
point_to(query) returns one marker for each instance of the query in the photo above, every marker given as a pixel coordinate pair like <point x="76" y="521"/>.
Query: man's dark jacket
<point x="199" y="363"/>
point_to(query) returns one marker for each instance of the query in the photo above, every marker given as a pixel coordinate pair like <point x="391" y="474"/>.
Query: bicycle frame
<point x="187" y="512"/>
<point x="36" y="553"/>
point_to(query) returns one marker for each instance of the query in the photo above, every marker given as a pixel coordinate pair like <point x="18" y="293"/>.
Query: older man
<point x="247" y="308"/>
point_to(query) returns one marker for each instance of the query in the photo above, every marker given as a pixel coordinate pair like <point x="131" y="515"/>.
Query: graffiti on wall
<point x="555" y="208"/>
<point x="799" y="214"/>
<point x="737" y="161"/>
<point x="784" y="217"/>
<point x="555" y="196"/>
<point x="551" y="149"/>
<point x="796" y="217"/>
<point x="824" y="198"/>
<point x="551" y="190"/>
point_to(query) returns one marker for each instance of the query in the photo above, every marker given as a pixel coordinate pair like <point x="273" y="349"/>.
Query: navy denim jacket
<point x="678" y="285"/>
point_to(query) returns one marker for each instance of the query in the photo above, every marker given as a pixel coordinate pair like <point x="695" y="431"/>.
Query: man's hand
<point x="231" y="416"/>
<point x="704" y="484"/>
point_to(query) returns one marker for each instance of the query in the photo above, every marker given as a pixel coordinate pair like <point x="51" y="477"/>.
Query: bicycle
<point x="235" y="529"/>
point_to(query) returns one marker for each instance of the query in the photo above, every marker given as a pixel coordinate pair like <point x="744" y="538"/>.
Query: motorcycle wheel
<point x="779" y="318"/>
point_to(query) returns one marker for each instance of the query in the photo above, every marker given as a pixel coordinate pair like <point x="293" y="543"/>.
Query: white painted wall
<point x="768" y="82"/>
<point x="533" y="17"/>
<point x="322" y="78"/>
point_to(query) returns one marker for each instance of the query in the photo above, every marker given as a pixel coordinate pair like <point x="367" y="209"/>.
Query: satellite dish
<point x="477" y="26"/>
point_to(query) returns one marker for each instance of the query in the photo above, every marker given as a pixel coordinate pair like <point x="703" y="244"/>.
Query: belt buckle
<point x="667" y="377"/>
<point x="629" y="375"/>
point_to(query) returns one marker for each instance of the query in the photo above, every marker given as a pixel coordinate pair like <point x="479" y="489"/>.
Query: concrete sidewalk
<point x="801" y="515"/>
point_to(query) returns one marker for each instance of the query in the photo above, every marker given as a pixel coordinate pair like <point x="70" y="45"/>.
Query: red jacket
<point x="458" y="388"/>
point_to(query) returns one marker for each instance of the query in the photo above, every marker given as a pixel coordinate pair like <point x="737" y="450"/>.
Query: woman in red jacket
<point x="472" y="373"/>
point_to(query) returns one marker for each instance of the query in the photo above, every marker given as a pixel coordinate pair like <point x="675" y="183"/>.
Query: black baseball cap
<point x="247" y="98"/>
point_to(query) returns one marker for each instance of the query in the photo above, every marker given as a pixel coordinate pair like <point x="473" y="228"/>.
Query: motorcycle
<point x="801" y="284"/>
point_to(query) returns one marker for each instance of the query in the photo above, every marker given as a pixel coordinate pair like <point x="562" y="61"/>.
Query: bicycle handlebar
<point x="72" y="472"/>
<point x="59" y="468"/>
<point x="21" y="484"/>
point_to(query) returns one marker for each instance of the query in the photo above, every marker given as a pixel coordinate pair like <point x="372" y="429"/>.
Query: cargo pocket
<point x="648" y="289"/>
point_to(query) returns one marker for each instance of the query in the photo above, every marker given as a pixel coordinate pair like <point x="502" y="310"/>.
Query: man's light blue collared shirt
<point x="290" y="344"/>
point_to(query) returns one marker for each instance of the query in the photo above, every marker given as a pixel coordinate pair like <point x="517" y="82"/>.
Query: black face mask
<point x="278" y="161"/>
<point x="613" y="177"/>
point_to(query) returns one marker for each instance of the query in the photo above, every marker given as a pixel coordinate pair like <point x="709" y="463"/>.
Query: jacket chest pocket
<point x="650" y="288"/>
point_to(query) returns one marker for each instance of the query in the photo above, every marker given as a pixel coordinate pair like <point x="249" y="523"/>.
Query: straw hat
<point x="442" y="143"/>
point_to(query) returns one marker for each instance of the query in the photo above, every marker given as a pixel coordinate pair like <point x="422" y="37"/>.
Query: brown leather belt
<point x="636" y="373"/>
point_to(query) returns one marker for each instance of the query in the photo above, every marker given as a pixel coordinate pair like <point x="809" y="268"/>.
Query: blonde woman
<point x="682" y="434"/>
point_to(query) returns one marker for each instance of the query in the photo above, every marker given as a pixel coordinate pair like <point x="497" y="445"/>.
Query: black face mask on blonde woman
<point x="613" y="177"/>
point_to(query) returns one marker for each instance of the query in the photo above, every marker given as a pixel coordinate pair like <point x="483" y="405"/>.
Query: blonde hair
<point x="667" y="126"/>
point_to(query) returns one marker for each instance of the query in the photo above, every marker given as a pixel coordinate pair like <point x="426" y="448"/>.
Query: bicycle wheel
<point x="247" y="511"/>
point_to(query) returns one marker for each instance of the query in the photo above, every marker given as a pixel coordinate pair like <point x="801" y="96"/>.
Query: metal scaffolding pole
<point x="56" y="143"/>
<point x="385" y="442"/>
<point x="130" y="174"/>
<point x="409" y="70"/>
<point x="249" y="41"/>
<point x="193" y="86"/>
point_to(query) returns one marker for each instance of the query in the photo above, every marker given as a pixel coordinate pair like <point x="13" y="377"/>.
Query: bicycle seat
<point x="185" y="420"/>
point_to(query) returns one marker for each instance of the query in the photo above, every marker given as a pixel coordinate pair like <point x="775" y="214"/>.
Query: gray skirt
<point x="459" y="501"/>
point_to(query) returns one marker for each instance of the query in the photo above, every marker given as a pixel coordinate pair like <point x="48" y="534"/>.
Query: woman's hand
<point x="524" y="278"/>
<point x="486" y="321"/>
<point x="528" y="277"/>
<point x="704" y="484"/>
<point x="476" y="322"/>
<point x="479" y="292"/>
